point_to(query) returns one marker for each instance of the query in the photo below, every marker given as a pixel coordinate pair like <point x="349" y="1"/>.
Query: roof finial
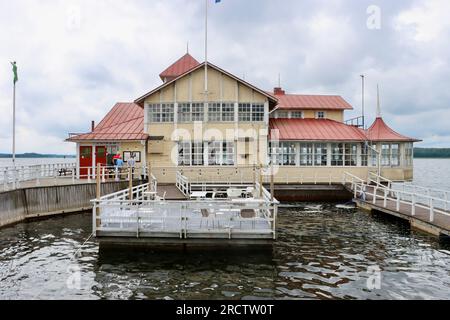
<point x="378" y="102"/>
<point x="187" y="48"/>
<point x="279" y="80"/>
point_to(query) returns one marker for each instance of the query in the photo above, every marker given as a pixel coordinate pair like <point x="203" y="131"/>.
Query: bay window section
<point x="395" y="155"/>
<point x="337" y="154"/>
<point x="306" y="154"/>
<point x="320" y="154"/>
<point x="385" y="155"/>
<point x="282" y="154"/>
<point x="351" y="155"/>
<point x="364" y="155"/>
<point x="409" y="153"/>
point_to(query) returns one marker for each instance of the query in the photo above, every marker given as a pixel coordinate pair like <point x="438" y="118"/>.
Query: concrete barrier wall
<point x="19" y="205"/>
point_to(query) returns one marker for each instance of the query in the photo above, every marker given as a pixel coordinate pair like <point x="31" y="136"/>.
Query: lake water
<point x="320" y="254"/>
<point x="35" y="161"/>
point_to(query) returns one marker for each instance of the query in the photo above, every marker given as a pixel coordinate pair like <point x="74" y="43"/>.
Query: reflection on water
<point x="319" y="255"/>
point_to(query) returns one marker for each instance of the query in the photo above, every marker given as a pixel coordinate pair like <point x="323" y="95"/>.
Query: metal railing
<point x="132" y="213"/>
<point x="411" y="200"/>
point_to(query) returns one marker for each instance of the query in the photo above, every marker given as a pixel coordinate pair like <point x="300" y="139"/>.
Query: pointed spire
<point x="279" y="80"/>
<point x="187" y="48"/>
<point x="378" y="102"/>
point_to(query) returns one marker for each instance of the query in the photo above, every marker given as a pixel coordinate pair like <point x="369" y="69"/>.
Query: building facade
<point x="187" y="125"/>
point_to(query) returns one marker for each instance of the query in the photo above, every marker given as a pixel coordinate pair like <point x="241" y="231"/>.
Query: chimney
<point x="278" y="91"/>
<point x="92" y="126"/>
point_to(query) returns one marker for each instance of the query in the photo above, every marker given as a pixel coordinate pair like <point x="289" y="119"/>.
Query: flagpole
<point x="14" y="136"/>
<point x="206" y="51"/>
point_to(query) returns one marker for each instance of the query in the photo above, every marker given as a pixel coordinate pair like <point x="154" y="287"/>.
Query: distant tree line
<point x="431" y="152"/>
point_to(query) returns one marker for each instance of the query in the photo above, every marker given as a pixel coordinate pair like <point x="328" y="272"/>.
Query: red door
<point x="100" y="156"/>
<point x="85" y="161"/>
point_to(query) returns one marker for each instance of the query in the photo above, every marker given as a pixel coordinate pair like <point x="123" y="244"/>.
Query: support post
<point x="98" y="196"/>
<point x="260" y="182"/>
<point x="130" y="183"/>
<point x="431" y="210"/>
<point x="272" y="184"/>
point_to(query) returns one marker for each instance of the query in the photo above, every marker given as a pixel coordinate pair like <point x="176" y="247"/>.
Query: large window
<point x="409" y="153"/>
<point x="337" y="154"/>
<point x="228" y="112"/>
<point x="161" y="112"/>
<point x="167" y="112"/>
<point x="184" y="153"/>
<point x="320" y="154"/>
<point x="245" y="112"/>
<point x="154" y="113"/>
<point x="351" y="155"/>
<point x="306" y="154"/>
<point x="217" y="153"/>
<point x="198" y="111"/>
<point x="251" y="112"/>
<point x="221" y="112"/>
<point x="283" y="154"/>
<point x="214" y="112"/>
<point x="395" y="155"/>
<point x="385" y="155"/>
<point x="258" y="113"/>
<point x="184" y="112"/>
<point x="364" y="154"/>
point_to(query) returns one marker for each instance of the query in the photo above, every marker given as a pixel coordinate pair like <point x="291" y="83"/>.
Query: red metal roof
<point x="316" y="102"/>
<point x="185" y="63"/>
<point x="380" y="131"/>
<point x="314" y="130"/>
<point x="124" y="122"/>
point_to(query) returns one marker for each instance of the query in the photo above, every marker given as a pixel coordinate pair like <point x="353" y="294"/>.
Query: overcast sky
<point x="77" y="58"/>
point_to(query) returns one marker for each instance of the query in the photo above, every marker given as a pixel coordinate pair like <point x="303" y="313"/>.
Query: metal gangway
<point x="426" y="208"/>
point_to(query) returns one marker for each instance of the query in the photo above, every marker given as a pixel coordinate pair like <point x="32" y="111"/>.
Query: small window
<point x="282" y="115"/>
<point x="320" y="115"/>
<point x="297" y="115"/>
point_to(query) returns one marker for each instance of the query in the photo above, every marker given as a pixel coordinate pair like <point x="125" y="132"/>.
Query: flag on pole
<point x="16" y="78"/>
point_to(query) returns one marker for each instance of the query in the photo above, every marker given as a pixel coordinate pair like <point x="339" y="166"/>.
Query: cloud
<point x="77" y="58"/>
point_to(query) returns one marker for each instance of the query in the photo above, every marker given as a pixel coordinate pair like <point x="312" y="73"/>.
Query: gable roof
<point x="316" y="102"/>
<point x="380" y="131"/>
<point x="141" y="100"/>
<point x="124" y="122"/>
<point x="182" y="65"/>
<point x="314" y="130"/>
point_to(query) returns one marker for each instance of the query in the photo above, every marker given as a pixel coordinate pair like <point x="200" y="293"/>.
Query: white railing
<point x="183" y="184"/>
<point x="11" y="177"/>
<point x="380" y="181"/>
<point x="402" y="199"/>
<point x="120" y="212"/>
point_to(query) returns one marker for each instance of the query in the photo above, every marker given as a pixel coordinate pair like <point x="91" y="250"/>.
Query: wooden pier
<point x="426" y="209"/>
